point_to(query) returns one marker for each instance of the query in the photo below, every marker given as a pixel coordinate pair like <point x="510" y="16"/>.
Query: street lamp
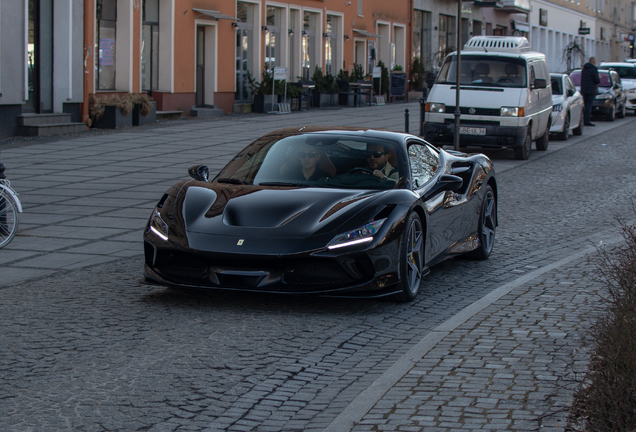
<point x="457" y="74"/>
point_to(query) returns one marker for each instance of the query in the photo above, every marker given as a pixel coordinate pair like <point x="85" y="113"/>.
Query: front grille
<point x="316" y="272"/>
<point x="179" y="265"/>
<point x="478" y="111"/>
<point x="473" y="122"/>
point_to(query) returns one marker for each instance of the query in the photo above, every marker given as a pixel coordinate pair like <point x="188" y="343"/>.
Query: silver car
<point x="567" y="107"/>
<point x="627" y="72"/>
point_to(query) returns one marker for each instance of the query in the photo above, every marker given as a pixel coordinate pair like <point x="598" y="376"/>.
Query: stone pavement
<point x="492" y="365"/>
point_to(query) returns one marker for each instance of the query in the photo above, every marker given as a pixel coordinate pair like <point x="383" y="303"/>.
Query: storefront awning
<point x="366" y="33"/>
<point x="521" y="26"/>
<point x="214" y="14"/>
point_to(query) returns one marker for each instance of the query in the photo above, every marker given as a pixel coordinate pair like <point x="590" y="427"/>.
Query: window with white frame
<point x="150" y="45"/>
<point x="105" y="44"/>
<point x="273" y="41"/>
<point x="332" y="47"/>
<point x="310" y="51"/>
<point x="245" y="12"/>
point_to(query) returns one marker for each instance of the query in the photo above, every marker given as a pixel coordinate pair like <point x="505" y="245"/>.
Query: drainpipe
<point x="88" y="35"/>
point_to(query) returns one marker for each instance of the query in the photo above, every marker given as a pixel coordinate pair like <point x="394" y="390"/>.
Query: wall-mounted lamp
<point x="304" y="33"/>
<point x="265" y="29"/>
<point x="234" y="24"/>
<point x="290" y="32"/>
<point x="346" y="37"/>
<point x="325" y="35"/>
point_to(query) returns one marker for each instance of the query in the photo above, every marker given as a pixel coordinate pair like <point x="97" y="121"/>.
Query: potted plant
<point x="381" y="85"/>
<point x="110" y="112"/>
<point x="418" y="89"/>
<point x="263" y="98"/>
<point x="325" y="88"/>
<point x="144" y="109"/>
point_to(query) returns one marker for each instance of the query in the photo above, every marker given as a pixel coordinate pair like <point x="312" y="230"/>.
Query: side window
<point x="424" y="162"/>
<point x="533" y="76"/>
<point x="569" y="84"/>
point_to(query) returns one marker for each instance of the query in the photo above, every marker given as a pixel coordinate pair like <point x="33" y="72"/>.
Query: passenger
<point x="307" y="169"/>
<point x="378" y="162"/>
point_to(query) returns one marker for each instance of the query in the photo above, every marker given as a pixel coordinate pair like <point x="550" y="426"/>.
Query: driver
<point x="378" y="162"/>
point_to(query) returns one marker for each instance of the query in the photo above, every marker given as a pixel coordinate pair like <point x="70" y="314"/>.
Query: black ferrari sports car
<point x="324" y="211"/>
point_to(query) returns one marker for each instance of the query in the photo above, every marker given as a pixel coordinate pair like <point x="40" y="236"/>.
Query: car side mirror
<point x="540" y="83"/>
<point x="446" y="182"/>
<point x="571" y="92"/>
<point x="199" y="172"/>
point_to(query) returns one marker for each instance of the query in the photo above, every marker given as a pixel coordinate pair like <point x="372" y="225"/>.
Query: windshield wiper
<point x="283" y="184"/>
<point x="231" y="180"/>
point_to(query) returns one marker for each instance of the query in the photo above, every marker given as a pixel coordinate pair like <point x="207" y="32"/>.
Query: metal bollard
<point x="406" y="120"/>
<point x="422" y="113"/>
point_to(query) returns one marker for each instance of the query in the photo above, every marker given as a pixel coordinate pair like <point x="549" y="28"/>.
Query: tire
<point x="621" y="113"/>
<point x="411" y="259"/>
<point x="487" y="227"/>
<point x="611" y="115"/>
<point x="523" y="152"/>
<point x="578" y="131"/>
<point x="542" y="142"/>
<point x="563" y="135"/>
<point x="8" y="219"/>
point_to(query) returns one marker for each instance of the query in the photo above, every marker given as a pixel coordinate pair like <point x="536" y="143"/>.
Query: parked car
<point x="567" y="107"/>
<point x="610" y="100"/>
<point x="505" y="97"/>
<point x="627" y="72"/>
<point x="264" y="225"/>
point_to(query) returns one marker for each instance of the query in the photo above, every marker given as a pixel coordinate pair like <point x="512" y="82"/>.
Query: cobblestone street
<point x="491" y="345"/>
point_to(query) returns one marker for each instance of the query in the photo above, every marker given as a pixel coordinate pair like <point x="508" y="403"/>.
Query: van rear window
<point x="485" y="71"/>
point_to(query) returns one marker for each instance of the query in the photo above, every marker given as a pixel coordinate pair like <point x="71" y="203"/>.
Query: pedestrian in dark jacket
<point x="589" y="88"/>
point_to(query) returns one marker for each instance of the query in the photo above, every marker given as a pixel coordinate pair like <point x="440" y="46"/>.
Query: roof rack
<point x="515" y="44"/>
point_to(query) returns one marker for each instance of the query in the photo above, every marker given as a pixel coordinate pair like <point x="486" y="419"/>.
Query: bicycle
<point x="10" y="208"/>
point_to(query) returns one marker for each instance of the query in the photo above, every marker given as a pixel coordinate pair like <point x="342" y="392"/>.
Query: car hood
<point x="209" y="208"/>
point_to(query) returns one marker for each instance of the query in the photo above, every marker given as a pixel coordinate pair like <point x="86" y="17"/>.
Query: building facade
<point x="55" y="54"/>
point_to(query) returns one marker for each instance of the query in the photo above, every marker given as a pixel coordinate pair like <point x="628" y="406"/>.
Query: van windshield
<point x="485" y="71"/>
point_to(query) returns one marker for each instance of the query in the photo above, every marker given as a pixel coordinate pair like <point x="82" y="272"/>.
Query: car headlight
<point x="158" y="226"/>
<point x="557" y="107"/>
<point x="604" y="96"/>
<point x="513" y="111"/>
<point x="364" y="234"/>
<point x="435" y="107"/>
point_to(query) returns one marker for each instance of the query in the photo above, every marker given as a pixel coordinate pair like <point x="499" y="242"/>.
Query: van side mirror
<point x="199" y="172"/>
<point x="571" y="92"/>
<point x="540" y="83"/>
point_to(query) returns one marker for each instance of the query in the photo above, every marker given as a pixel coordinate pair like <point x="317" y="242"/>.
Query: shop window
<point x="332" y="51"/>
<point x="150" y="46"/>
<point x="309" y="48"/>
<point x="105" y="43"/>
<point x="273" y="41"/>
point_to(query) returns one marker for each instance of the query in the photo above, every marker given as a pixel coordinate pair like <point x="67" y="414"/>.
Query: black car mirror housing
<point x="199" y="172"/>
<point x="540" y="83"/>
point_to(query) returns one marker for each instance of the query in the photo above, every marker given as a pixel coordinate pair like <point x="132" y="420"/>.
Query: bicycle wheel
<point x="8" y="219"/>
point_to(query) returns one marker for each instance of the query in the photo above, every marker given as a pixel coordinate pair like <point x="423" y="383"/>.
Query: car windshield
<point x="604" y="76"/>
<point x="557" y="88"/>
<point x="488" y="71"/>
<point x="623" y="71"/>
<point x="316" y="160"/>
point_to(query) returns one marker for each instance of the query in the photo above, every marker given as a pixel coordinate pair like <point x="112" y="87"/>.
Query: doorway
<point x="200" y="64"/>
<point x="40" y="57"/>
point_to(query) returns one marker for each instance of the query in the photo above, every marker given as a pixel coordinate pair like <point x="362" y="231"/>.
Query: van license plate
<point x="472" y="131"/>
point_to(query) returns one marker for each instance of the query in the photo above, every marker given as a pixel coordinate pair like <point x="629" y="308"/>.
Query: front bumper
<point x="495" y="136"/>
<point x="371" y="273"/>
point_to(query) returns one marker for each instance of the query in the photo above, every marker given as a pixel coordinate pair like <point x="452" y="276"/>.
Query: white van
<point x="505" y="97"/>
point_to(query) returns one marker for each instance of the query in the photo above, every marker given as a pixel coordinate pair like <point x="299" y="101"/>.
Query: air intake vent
<point x="498" y="43"/>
